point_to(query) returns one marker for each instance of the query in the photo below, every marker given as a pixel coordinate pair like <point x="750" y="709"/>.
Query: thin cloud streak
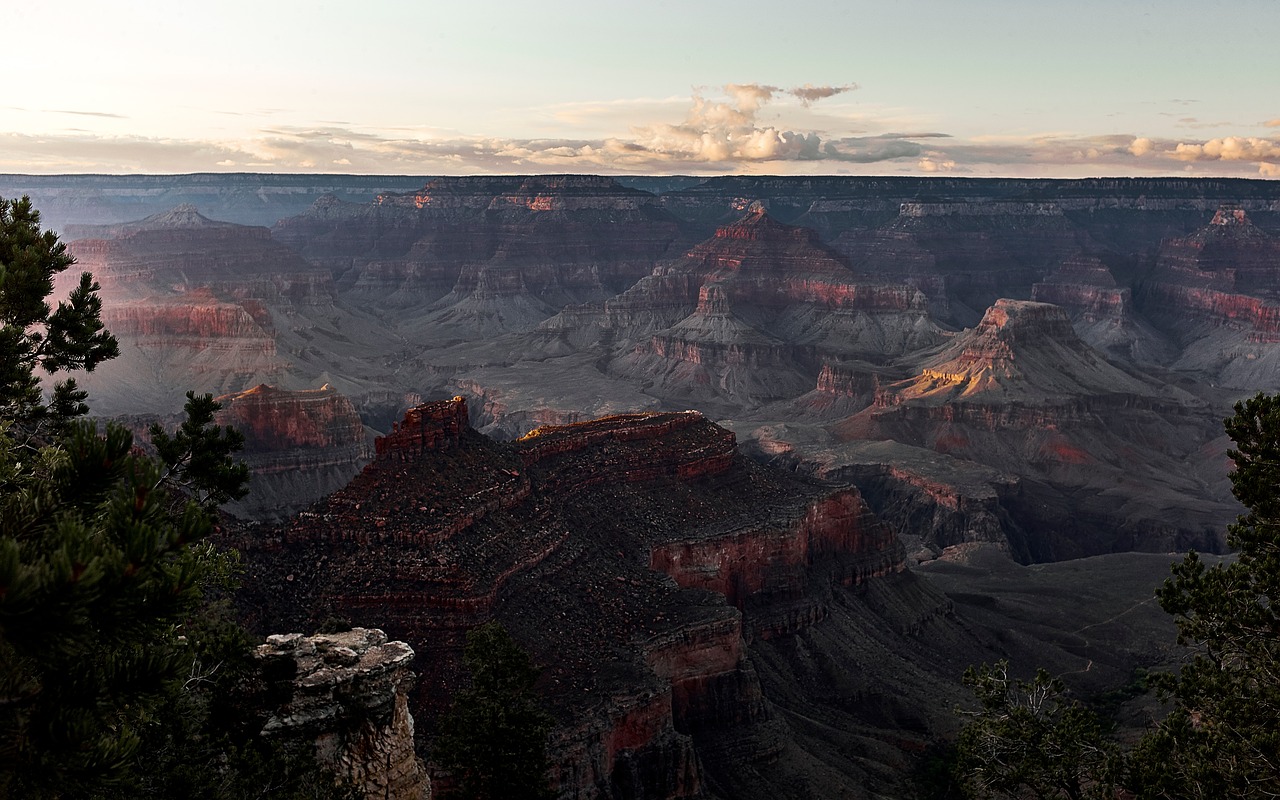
<point x="102" y="114"/>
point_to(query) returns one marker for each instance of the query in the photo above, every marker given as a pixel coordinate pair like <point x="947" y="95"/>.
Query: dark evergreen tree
<point x="494" y="737"/>
<point x="1222" y="738"/>
<point x="122" y="670"/>
<point x="1028" y="739"/>
<point x="197" y="457"/>
<point x="35" y="336"/>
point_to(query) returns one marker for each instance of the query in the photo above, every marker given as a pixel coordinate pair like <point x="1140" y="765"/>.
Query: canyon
<point x="743" y="462"/>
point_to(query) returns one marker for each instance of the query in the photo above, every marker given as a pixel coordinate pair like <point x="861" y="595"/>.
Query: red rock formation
<point x="430" y="426"/>
<point x="747" y="314"/>
<point x="568" y="537"/>
<point x="299" y="445"/>
<point x="181" y="250"/>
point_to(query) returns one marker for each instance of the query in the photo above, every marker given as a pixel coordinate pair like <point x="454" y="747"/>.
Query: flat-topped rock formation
<point x="347" y="694"/>
<point x="640" y="558"/>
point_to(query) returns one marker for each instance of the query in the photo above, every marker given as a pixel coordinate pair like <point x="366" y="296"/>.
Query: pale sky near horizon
<point x="982" y="87"/>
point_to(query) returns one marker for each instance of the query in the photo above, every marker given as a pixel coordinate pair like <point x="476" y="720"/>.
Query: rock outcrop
<point x="348" y="694"/>
<point x="1216" y="293"/>
<point x="1102" y="311"/>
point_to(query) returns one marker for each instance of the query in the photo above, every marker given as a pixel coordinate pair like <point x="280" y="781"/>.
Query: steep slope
<point x="678" y="594"/>
<point x="965" y="254"/>
<point x="1103" y="312"/>
<point x="300" y="446"/>
<point x="211" y="306"/>
<point x="748" y="316"/>
<point x="1131" y="458"/>
<point x="481" y="256"/>
<point x="1217" y="295"/>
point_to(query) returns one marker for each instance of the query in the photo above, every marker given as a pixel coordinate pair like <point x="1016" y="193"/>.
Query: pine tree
<point x="98" y="568"/>
<point x="494" y="737"/>
<point x="1028" y="739"/>
<point x="35" y="336"/>
<point x="1222" y="738"/>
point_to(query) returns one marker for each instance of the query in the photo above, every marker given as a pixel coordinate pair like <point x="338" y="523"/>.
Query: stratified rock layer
<point x="348" y="693"/>
<point x="299" y="445"/>
<point x="1022" y="393"/>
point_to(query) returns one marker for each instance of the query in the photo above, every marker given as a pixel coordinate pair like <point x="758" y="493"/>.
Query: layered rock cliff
<point x="749" y="314"/>
<point x="211" y="306"/>
<point x="1022" y="393"/>
<point x="1217" y="294"/>
<point x="640" y="558"/>
<point x="300" y="446"/>
<point x="1103" y="312"/>
<point x="970" y="252"/>
<point x="487" y="255"/>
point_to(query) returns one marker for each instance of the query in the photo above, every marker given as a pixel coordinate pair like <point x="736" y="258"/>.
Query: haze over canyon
<point x="751" y="465"/>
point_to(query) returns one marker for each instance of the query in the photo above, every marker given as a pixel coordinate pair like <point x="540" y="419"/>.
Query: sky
<point x="1035" y="88"/>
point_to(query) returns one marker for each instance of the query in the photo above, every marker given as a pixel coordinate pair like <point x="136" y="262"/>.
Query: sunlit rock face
<point x="299" y="445"/>
<point x="1023" y="394"/>
<point x="640" y="558"/>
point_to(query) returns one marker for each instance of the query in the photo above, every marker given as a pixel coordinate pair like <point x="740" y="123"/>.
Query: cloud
<point x="1230" y="148"/>
<point x="750" y="96"/>
<point x="103" y="114"/>
<point x="1272" y="123"/>
<point x="933" y="164"/>
<point x="1141" y="146"/>
<point x="742" y="127"/>
<point x="809" y="94"/>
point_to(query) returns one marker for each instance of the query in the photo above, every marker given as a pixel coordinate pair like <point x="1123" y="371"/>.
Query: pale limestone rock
<point x="350" y="697"/>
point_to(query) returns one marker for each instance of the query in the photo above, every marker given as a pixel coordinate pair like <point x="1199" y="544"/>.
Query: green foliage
<point x="35" y="336"/>
<point x="201" y="740"/>
<point x="493" y="738"/>
<point x="96" y="573"/>
<point x="123" y="673"/>
<point x="1029" y="740"/>
<point x="1222" y="738"/>
<point x="197" y="456"/>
